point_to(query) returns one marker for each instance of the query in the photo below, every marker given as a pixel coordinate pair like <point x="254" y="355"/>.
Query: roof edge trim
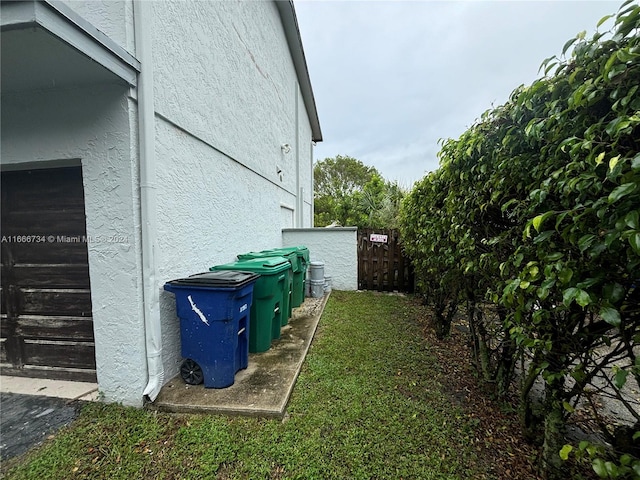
<point x="294" y="40"/>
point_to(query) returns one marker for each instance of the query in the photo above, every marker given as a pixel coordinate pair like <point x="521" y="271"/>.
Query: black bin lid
<point x="221" y="279"/>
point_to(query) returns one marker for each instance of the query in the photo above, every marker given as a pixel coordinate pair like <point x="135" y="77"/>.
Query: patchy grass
<point x="369" y="403"/>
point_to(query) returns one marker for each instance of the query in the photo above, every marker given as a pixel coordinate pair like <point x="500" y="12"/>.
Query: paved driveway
<point x="27" y="420"/>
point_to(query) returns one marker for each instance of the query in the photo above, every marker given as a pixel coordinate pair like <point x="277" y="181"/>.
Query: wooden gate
<point x="382" y="265"/>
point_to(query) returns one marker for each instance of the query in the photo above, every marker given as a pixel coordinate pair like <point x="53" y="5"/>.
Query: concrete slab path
<point x="49" y="388"/>
<point x="264" y="388"/>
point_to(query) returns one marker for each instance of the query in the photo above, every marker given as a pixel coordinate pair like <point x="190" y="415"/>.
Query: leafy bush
<point x="535" y="211"/>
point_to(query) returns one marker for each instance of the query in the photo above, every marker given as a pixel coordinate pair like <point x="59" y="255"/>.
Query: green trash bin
<point x="293" y="271"/>
<point x="265" y="317"/>
<point x="299" y="268"/>
<point x="299" y="283"/>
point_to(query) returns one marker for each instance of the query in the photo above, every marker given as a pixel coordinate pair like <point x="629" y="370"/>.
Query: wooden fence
<point x="382" y="265"/>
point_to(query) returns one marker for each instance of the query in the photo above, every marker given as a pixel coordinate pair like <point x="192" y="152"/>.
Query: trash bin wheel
<point x="191" y="372"/>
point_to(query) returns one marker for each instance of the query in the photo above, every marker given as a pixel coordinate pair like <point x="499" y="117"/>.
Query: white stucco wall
<point x="226" y="98"/>
<point x="336" y="247"/>
<point x="114" y="18"/>
<point x="95" y="125"/>
<point x="223" y="72"/>
<point x="210" y="209"/>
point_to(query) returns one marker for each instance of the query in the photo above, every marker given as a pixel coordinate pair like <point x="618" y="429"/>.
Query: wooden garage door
<point x="47" y="327"/>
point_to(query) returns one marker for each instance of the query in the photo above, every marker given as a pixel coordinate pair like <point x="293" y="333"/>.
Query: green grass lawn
<point x="369" y="403"/>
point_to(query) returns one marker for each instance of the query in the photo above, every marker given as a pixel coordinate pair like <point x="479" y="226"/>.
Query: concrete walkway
<point x="264" y="388"/>
<point x="49" y="388"/>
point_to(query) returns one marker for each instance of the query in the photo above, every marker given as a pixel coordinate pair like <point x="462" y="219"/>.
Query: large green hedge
<point x="533" y="222"/>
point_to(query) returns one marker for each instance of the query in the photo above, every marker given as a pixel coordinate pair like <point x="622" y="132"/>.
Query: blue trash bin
<point x="213" y="308"/>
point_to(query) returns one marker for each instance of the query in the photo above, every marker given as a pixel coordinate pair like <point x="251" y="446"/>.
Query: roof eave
<point x="294" y="40"/>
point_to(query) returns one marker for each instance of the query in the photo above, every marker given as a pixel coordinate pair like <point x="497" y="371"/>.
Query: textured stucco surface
<point x="336" y="247"/>
<point x="305" y="165"/>
<point x="114" y="18"/>
<point x="230" y="82"/>
<point x="227" y="99"/>
<point x="209" y="210"/>
<point x="93" y="125"/>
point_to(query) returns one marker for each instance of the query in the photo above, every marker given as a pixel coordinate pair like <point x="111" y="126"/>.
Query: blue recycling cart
<point x="213" y="308"/>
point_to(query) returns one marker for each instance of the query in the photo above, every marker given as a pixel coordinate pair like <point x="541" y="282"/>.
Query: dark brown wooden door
<point x="47" y="326"/>
<point x="382" y="265"/>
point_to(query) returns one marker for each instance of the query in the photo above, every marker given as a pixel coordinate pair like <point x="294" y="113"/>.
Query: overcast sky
<point x="391" y="78"/>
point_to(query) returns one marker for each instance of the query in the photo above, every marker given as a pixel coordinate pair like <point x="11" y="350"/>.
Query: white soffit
<point x="45" y="44"/>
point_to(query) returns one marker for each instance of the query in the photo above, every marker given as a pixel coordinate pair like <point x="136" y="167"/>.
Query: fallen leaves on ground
<point x="499" y="444"/>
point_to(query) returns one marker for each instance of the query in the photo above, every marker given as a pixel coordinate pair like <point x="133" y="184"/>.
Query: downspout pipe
<point x="299" y="190"/>
<point x="143" y="20"/>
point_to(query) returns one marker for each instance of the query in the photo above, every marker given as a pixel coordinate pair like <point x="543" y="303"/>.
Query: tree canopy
<point x="350" y="193"/>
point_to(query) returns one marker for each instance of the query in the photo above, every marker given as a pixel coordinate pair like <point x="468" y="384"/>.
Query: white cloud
<point x="390" y="78"/>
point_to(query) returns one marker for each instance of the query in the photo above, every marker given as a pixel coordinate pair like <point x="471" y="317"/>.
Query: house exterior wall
<point x="114" y="18"/>
<point x="209" y="210"/>
<point x="95" y="125"/>
<point x="229" y="81"/>
<point x="336" y="247"/>
<point x="226" y="99"/>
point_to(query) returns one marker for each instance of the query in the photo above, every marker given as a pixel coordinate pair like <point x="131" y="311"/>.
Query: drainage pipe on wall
<point x="299" y="204"/>
<point x="143" y="18"/>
